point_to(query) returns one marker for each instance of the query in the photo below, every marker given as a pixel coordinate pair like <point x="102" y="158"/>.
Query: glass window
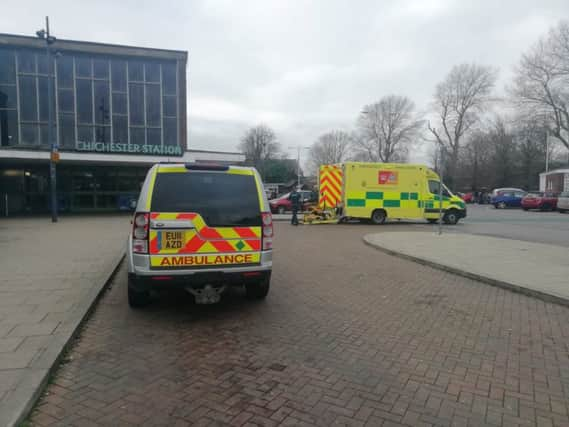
<point x="28" y="99"/>
<point x="85" y="133"/>
<point x="136" y="103"/>
<point x="8" y="97"/>
<point x="152" y="72"/>
<point x="170" y="131"/>
<point x="44" y="136"/>
<point x="137" y="136"/>
<point x="83" y="66"/>
<point x="7" y="67"/>
<point x="8" y="127"/>
<point x="152" y="105"/>
<point x="43" y="99"/>
<point x="169" y="79"/>
<point x="102" y="102"/>
<point x="30" y="134"/>
<point x="118" y="76"/>
<point x="169" y="106"/>
<point x="65" y="72"/>
<point x="103" y="134"/>
<point x="119" y="103"/>
<point x="26" y="62"/>
<point x="221" y="199"/>
<point x="135" y="71"/>
<point x="120" y="129"/>
<point x="67" y="131"/>
<point x="101" y="69"/>
<point x="42" y="64"/>
<point x="84" y="101"/>
<point x="65" y="100"/>
<point x="154" y="136"/>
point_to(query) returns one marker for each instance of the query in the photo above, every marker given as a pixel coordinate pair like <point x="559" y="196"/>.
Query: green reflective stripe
<point x="374" y="195"/>
<point x="391" y="203"/>
<point x="356" y="202"/>
<point x="414" y="196"/>
<point x="404" y="196"/>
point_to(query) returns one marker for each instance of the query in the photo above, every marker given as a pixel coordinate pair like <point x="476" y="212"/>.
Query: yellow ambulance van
<point x="382" y="191"/>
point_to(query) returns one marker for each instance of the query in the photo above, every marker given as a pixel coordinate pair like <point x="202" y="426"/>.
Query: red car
<point x="283" y="204"/>
<point x="468" y="197"/>
<point x="540" y="200"/>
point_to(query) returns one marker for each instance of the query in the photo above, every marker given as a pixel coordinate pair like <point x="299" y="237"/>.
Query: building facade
<point x="556" y="181"/>
<point x="117" y="110"/>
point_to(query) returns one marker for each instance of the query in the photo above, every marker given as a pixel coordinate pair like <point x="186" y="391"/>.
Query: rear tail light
<point x="140" y="227"/>
<point x="267" y="231"/>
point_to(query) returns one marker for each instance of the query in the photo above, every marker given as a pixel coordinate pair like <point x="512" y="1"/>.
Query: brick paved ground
<point x="49" y="276"/>
<point x="348" y="336"/>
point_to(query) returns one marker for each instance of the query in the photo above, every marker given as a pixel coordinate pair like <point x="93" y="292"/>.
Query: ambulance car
<point x="202" y="228"/>
<point x="382" y="191"/>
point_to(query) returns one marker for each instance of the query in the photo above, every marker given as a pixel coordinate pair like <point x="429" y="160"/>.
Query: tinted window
<point x="169" y="79"/>
<point x="118" y="75"/>
<point x="7" y="67"/>
<point x="169" y="106"/>
<point x="102" y="102"/>
<point x="154" y="136"/>
<point x="67" y="130"/>
<point x="221" y="199"/>
<point x="119" y="103"/>
<point x="135" y="71"/>
<point x="137" y="136"/>
<point x="65" y="72"/>
<point x="26" y="62"/>
<point x="120" y="129"/>
<point x="30" y="134"/>
<point x="28" y="99"/>
<point x="101" y="69"/>
<point x="170" y="131"/>
<point x="66" y="101"/>
<point x="7" y="96"/>
<point x="8" y="127"/>
<point x="84" y="101"/>
<point x="153" y="105"/>
<point x="152" y="72"/>
<point x="83" y="67"/>
<point x="136" y="104"/>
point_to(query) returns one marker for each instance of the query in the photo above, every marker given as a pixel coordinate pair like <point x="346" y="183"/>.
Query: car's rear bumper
<point x="198" y="280"/>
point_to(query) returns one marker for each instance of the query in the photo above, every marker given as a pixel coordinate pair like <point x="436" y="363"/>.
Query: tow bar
<point x="207" y="295"/>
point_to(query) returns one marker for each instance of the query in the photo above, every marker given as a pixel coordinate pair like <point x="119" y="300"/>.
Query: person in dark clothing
<point x="295" y="198"/>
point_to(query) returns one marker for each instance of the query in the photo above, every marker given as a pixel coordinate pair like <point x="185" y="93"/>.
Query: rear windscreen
<point x="221" y="199"/>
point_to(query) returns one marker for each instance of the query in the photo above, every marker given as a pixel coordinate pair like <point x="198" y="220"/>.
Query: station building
<point x="117" y="109"/>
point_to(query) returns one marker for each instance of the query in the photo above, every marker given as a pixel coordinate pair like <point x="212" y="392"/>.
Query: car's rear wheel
<point x="258" y="290"/>
<point x="281" y="210"/>
<point x="378" y="216"/>
<point x="451" y="217"/>
<point x="562" y="211"/>
<point x="136" y="298"/>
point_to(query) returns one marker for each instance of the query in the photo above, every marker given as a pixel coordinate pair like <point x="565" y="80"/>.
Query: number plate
<point x="172" y="239"/>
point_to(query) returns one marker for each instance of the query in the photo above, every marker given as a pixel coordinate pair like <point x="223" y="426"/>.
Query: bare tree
<point x="541" y="83"/>
<point x="387" y="128"/>
<point x="331" y="147"/>
<point x="459" y="100"/>
<point x="259" y="144"/>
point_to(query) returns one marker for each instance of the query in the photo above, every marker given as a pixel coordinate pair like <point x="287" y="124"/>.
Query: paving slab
<point x="536" y="269"/>
<point x="51" y="274"/>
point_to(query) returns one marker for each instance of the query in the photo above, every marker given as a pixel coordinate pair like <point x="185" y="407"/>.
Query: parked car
<point x="467" y="197"/>
<point x="497" y="191"/>
<point x="563" y="202"/>
<point x="508" y="199"/>
<point x="540" y="200"/>
<point x="283" y="204"/>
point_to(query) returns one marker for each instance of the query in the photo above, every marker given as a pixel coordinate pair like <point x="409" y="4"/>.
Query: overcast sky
<point x="301" y="67"/>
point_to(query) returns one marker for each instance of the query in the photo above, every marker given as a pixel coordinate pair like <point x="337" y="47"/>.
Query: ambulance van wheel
<point x="378" y="216"/>
<point x="137" y="299"/>
<point x="451" y="217"/>
<point x="258" y="290"/>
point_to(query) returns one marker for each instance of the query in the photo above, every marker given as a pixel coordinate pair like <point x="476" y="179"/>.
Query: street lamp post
<point x="298" y="148"/>
<point x="54" y="153"/>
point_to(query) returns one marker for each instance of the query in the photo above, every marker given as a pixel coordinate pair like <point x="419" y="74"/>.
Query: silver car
<point x="563" y="202"/>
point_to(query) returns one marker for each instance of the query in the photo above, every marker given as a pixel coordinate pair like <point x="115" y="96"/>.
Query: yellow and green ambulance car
<point x="381" y="191"/>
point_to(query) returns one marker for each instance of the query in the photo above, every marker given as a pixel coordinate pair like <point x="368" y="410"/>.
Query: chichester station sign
<point x="123" y="148"/>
